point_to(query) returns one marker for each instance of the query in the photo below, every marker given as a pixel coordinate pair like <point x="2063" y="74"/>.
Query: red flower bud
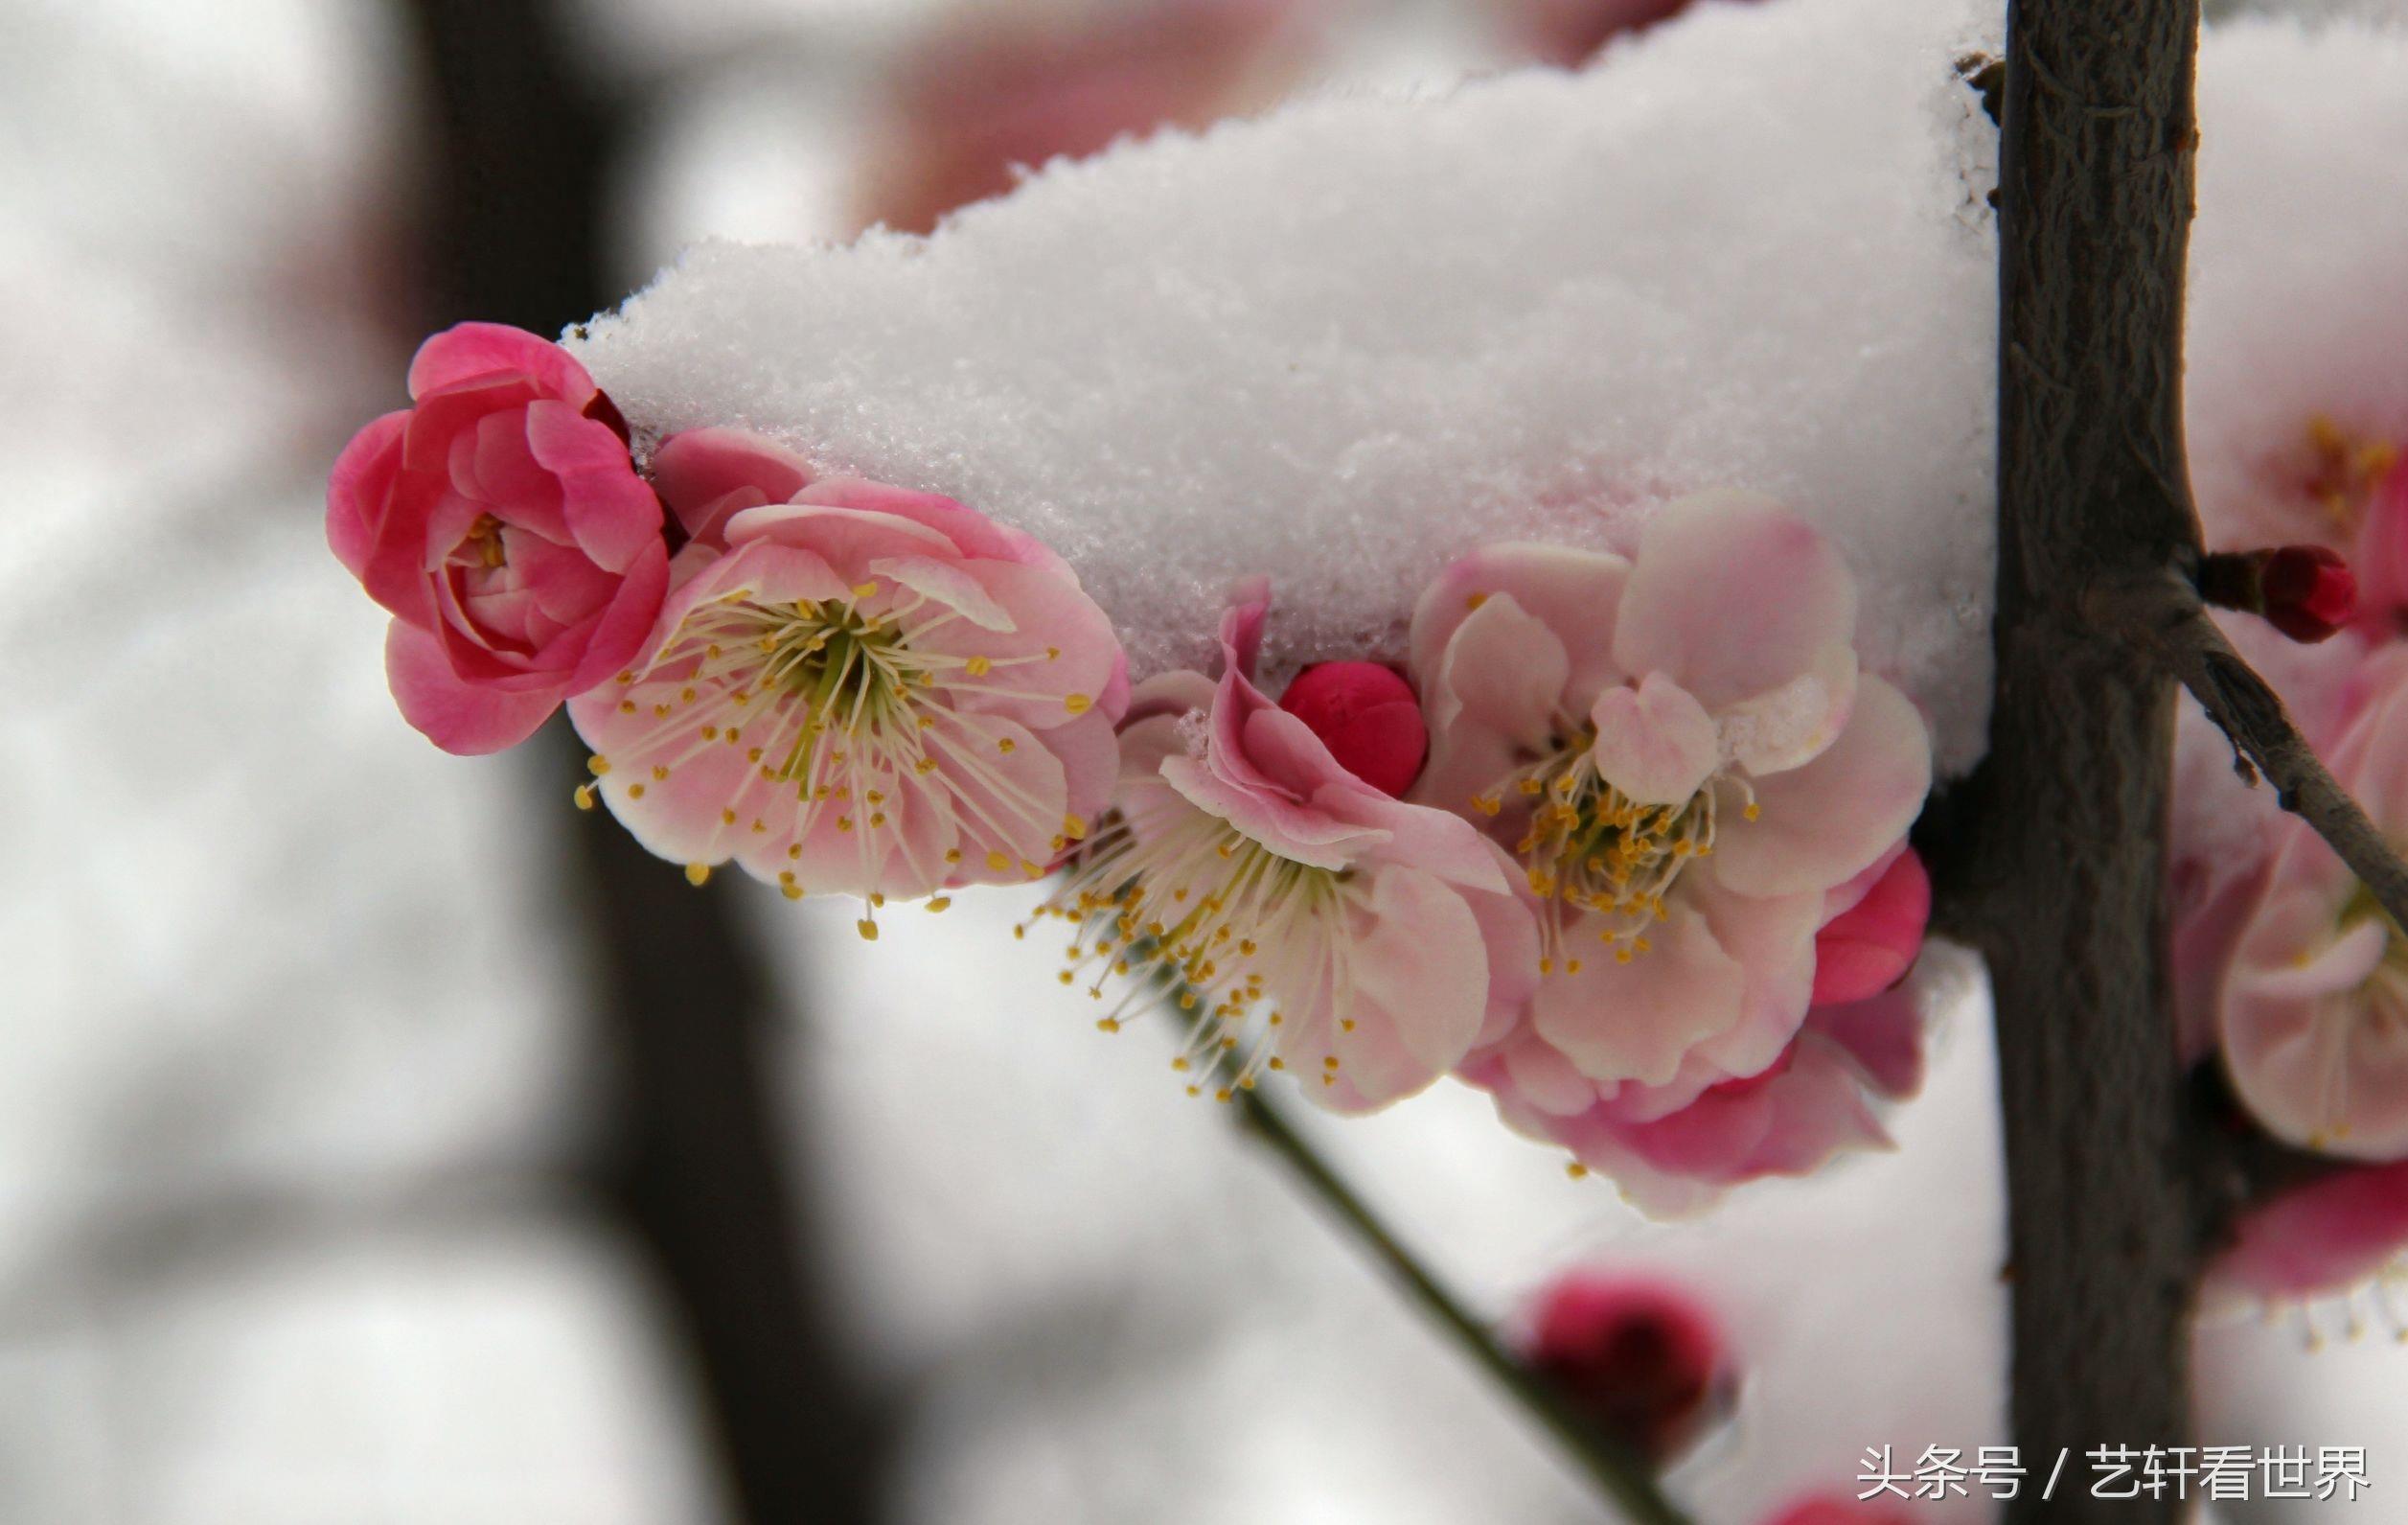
<point x="2310" y="592"/>
<point x="1368" y="719"/>
<point x="2306" y="592"/>
<point x="1644" y="1361"/>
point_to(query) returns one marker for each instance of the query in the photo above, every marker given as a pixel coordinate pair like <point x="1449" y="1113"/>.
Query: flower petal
<point x="1732" y="596"/>
<point x="1822" y="824"/>
<point x="459" y="717"/>
<point x="1655" y="742"/>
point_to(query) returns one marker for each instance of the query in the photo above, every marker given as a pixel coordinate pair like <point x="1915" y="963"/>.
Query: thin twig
<point x="1618" y="1471"/>
<point x="2172" y="621"/>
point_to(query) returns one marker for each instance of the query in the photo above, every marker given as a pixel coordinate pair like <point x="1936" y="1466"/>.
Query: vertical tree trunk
<point x="2061" y="881"/>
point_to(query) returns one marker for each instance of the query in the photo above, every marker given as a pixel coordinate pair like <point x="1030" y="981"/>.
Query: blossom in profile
<point x="855" y="688"/>
<point x="2326" y="1238"/>
<point x="1646" y="1361"/>
<point x="500" y="521"/>
<point x="1311" y="922"/>
<point x="1695" y="778"/>
<point x="2312" y="1013"/>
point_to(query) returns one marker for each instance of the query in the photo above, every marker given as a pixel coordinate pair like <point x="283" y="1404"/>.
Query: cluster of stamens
<point x="1589" y="848"/>
<point x="1197" y="910"/>
<point x="838" y="710"/>
<point x="2344" y="468"/>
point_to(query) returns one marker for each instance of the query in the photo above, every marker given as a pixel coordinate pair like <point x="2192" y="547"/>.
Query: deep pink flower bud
<point x="1841" y="1508"/>
<point x="2306" y="592"/>
<point x="2310" y="592"/>
<point x="1645" y="1360"/>
<point x="1869" y="947"/>
<point x="1368" y="717"/>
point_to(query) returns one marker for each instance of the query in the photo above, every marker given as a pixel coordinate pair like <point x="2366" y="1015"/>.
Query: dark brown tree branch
<point x="2053" y="862"/>
<point x="2168" y="618"/>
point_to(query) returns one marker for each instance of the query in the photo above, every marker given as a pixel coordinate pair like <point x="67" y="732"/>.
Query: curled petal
<point x="1655" y="742"/>
<point x="1819" y="825"/>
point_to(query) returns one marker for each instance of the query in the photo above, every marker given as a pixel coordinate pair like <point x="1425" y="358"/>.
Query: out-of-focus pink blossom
<point x="1694" y="776"/>
<point x="854" y="688"/>
<point x="1568" y="32"/>
<point x="2381" y="555"/>
<point x="1321" y="925"/>
<point x="2326" y="1237"/>
<point x="1643" y="1360"/>
<point x="1844" y="1509"/>
<point x="978" y="103"/>
<point x="1368" y="716"/>
<point x="2313" y="1011"/>
<point x="500" y="521"/>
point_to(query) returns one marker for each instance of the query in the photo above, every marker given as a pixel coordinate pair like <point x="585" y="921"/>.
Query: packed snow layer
<point x="1352" y="339"/>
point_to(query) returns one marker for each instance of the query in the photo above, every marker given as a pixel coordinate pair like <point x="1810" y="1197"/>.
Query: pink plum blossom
<point x="975" y="105"/>
<point x="500" y="521"/>
<point x="1319" y="924"/>
<point x="2328" y="1237"/>
<point x="1643" y="1360"/>
<point x="2314" y="1009"/>
<point x="1695" y="778"/>
<point x="855" y="688"/>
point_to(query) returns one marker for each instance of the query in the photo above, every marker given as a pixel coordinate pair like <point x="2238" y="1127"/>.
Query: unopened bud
<point x="2306" y="592"/>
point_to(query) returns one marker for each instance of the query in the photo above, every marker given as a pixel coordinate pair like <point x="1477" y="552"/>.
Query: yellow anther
<point x="978" y="666"/>
<point x="1753" y="811"/>
<point x="1474" y="602"/>
<point x="1576" y="1171"/>
<point x="1007" y="745"/>
<point x="940" y="903"/>
<point x="1073" y="828"/>
<point x="597" y="765"/>
<point x="864" y="589"/>
<point x="1077" y="703"/>
<point x="999" y="862"/>
<point x="698" y="874"/>
<point x="867" y="928"/>
<point x="635" y="791"/>
<point x="584" y="796"/>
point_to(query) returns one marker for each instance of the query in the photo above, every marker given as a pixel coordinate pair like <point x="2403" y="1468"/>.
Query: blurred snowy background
<point x="356" y="1162"/>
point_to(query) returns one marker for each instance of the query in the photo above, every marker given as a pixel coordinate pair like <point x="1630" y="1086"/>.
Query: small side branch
<point x="1621" y="1475"/>
<point x="2171" y="622"/>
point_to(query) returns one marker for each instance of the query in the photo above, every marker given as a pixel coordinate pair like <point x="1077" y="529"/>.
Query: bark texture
<point x="2059" y="871"/>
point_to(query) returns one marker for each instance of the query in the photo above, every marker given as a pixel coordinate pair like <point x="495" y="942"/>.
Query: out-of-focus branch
<point x="693" y="1157"/>
<point x="2168" y="618"/>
